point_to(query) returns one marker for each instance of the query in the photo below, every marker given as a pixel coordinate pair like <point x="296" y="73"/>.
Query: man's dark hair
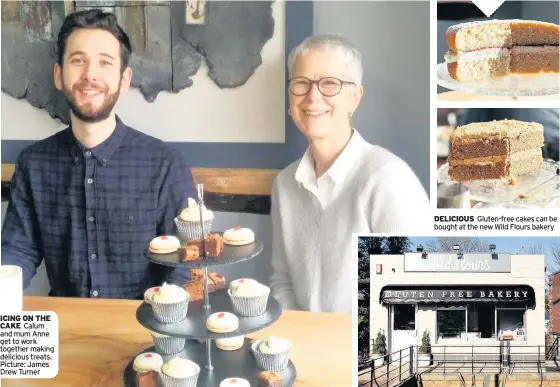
<point x="94" y="18"/>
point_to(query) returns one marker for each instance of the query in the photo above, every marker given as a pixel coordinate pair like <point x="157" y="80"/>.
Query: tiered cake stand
<point x="515" y="85"/>
<point x="215" y="364"/>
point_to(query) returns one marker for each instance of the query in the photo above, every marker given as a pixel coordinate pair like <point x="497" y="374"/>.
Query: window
<point x="476" y="321"/>
<point x="511" y="322"/>
<point x="480" y="324"/>
<point x="404" y="317"/>
<point x="451" y="323"/>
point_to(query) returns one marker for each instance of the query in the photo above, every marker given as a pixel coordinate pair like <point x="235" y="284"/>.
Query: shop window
<point x="451" y="323"/>
<point x="511" y="324"/>
<point x="480" y="321"/>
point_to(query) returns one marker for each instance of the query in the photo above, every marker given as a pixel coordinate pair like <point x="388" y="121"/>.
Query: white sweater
<point x="314" y="268"/>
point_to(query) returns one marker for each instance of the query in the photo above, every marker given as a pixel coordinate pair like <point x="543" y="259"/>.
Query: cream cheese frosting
<point x="452" y="57"/>
<point x="223" y="319"/>
<point x="250" y="289"/>
<point x="235" y="284"/>
<point x="170" y="294"/>
<point x="274" y="345"/>
<point x="180" y="368"/>
<point x="192" y="212"/>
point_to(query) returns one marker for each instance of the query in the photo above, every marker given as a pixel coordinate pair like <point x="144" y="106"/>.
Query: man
<point x="89" y="199"/>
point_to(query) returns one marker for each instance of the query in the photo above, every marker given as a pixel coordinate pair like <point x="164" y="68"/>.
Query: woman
<point x="341" y="185"/>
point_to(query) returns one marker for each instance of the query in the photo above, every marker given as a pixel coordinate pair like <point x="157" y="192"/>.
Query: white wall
<point x="525" y="270"/>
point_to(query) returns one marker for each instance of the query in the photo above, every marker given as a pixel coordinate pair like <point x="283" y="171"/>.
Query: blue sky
<point x="512" y="245"/>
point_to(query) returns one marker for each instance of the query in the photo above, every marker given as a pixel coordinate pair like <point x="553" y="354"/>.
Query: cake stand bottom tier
<point x="227" y="364"/>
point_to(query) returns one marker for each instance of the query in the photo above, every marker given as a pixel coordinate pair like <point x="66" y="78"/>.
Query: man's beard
<point x="87" y="113"/>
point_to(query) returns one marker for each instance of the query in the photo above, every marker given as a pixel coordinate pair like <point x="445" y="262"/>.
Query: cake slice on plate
<point x="492" y="48"/>
<point x="495" y="150"/>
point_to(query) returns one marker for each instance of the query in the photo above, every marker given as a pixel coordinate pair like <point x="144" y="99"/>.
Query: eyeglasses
<point x="328" y="86"/>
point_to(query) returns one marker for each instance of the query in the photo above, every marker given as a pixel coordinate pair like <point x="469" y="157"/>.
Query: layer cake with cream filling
<point x="485" y="49"/>
<point x="495" y="150"/>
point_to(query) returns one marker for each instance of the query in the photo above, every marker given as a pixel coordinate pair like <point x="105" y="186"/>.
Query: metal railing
<point x="552" y="350"/>
<point x="386" y="374"/>
<point x="505" y="358"/>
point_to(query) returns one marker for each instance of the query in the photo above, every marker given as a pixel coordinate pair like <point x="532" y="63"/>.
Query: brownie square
<point x="218" y="280"/>
<point x="195" y="291"/>
<point x="269" y="379"/>
<point x="197" y="273"/>
<point x="147" y="379"/>
<point x="214" y="245"/>
<point x="189" y="253"/>
<point x="198" y="243"/>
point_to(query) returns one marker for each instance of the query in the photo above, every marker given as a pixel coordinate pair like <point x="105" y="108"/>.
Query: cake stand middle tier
<point x="194" y="325"/>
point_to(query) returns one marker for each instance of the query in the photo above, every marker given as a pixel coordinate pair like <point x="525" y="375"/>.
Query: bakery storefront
<point x="461" y="300"/>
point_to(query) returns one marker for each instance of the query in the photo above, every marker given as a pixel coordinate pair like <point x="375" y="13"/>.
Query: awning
<point x="429" y="294"/>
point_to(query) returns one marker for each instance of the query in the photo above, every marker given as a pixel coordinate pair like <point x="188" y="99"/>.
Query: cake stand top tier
<point x="230" y="255"/>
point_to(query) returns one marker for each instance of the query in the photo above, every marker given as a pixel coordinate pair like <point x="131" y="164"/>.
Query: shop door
<point x="403" y="326"/>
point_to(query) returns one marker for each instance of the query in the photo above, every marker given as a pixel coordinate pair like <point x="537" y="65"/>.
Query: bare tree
<point x="553" y="259"/>
<point x="531" y="250"/>
<point x="445" y="244"/>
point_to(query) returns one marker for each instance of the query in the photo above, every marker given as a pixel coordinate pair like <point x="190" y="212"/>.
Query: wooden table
<point x="98" y="337"/>
<point x="462" y="96"/>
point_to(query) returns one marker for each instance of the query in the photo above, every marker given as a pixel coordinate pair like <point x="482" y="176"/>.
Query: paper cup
<point x="169" y="381"/>
<point x="168" y="345"/>
<point x="270" y="361"/>
<point x="189" y="231"/>
<point x="170" y="313"/>
<point x="249" y="306"/>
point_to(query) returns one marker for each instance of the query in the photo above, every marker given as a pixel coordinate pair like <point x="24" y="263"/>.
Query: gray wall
<point x="395" y="110"/>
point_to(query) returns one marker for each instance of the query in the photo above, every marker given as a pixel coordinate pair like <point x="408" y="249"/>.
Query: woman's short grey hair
<point x="341" y="47"/>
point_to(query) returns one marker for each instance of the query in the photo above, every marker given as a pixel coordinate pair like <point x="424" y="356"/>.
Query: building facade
<point x="471" y="302"/>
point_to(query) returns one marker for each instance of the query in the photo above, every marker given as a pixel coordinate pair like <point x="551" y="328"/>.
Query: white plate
<point x="501" y="192"/>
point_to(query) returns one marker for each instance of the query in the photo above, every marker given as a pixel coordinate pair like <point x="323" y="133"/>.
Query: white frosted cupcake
<point x="272" y="354"/>
<point x="168" y="345"/>
<point x="249" y="298"/>
<point x="170" y="303"/>
<point x="188" y="221"/>
<point x="179" y="372"/>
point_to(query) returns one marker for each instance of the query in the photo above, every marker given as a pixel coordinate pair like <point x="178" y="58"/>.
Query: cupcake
<point x="170" y="303"/>
<point x="179" y="372"/>
<point x="149" y="293"/>
<point x="272" y="354"/>
<point x="249" y="298"/>
<point x="168" y="345"/>
<point x="188" y="221"/>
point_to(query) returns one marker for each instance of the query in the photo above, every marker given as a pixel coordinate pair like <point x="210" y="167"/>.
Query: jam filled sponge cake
<point x="493" y="48"/>
<point x="238" y="236"/>
<point x="149" y="361"/>
<point x="164" y="244"/>
<point x="230" y="343"/>
<point x="495" y="150"/>
<point x="234" y="382"/>
<point x="222" y="322"/>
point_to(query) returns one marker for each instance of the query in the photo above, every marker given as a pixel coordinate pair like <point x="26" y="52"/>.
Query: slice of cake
<point x="495" y="150"/>
<point x="492" y="48"/>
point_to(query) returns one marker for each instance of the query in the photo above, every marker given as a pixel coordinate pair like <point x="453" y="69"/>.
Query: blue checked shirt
<point x="91" y="213"/>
